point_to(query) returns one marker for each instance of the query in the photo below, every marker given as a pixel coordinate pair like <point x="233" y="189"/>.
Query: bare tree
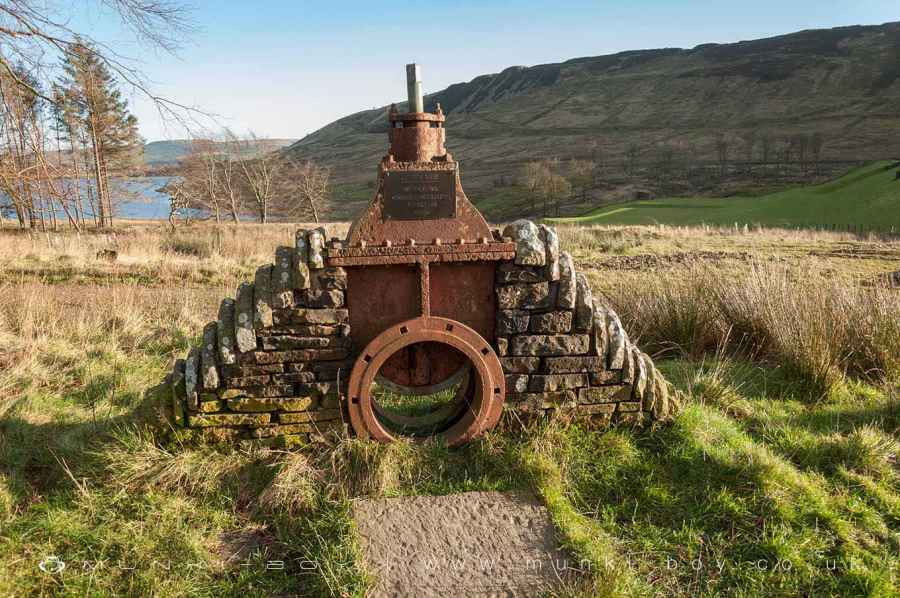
<point x="200" y="185"/>
<point x="535" y="174"/>
<point x="581" y="174"/>
<point x="37" y="34"/>
<point x="554" y="187"/>
<point x="313" y="186"/>
<point x="259" y="172"/>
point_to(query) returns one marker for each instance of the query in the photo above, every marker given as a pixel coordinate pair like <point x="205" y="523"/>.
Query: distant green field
<point x="867" y="197"/>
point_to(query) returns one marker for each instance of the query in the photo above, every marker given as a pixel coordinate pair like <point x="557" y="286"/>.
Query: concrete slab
<point x="471" y="544"/>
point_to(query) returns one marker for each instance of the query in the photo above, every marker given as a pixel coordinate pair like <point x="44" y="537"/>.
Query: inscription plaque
<point x="420" y="195"/>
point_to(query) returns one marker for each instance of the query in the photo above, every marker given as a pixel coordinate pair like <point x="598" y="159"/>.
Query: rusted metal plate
<point x="411" y="254"/>
<point x="465" y="292"/>
<point x="379" y="297"/>
<point x="419" y="195"/>
<point x="373" y="228"/>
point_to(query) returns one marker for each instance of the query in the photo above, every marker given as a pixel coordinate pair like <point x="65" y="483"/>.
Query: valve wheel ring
<point x="490" y="389"/>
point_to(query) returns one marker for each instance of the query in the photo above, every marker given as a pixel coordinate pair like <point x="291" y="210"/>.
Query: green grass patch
<point x="866" y="197"/>
<point x="754" y="490"/>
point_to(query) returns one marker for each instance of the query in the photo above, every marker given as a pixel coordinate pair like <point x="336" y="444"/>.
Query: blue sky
<point x="284" y="69"/>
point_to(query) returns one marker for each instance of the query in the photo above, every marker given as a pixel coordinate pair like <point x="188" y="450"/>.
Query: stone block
<point x="209" y="373"/>
<point x="535" y="401"/>
<point x="311" y="316"/>
<point x="600" y="336"/>
<point x="282" y="278"/>
<point x="572" y="364"/>
<point x="300" y="261"/>
<point x="606" y="377"/>
<point x="628" y="406"/>
<point x="270" y="390"/>
<point x="550" y="344"/>
<point x="320" y="415"/>
<point x="192" y="378"/>
<point x="584" y="304"/>
<point x="502" y="345"/>
<point x="567" y="288"/>
<point x="325" y="298"/>
<point x="228" y="419"/>
<point x="286" y="342"/>
<point x="511" y="321"/>
<point x="251" y="404"/>
<point x="520" y="365"/>
<point x="604" y="394"/>
<point x="529" y="248"/>
<point x="264" y="357"/>
<point x="312" y="330"/>
<point x="509" y="272"/>
<point x="329" y="279"/>
<point x="628" y="367"/>
<point x="213" y="406"/>
<point x="294" y="378"/>
<point x="240" y="371"/>
<point x="516" y="383"/>
<point x="316" y="242"/>
<point x="551" y="246"/>
<point x="247" y="381"/>
<point x="523" y="296"/>
<point x="600" y="408"/>
<point x="618" y="340"/>
<point x="244" y="334"/>
<point x="262" y="297"/>
<point x="225" y="331"/>
<point x="641" y="375"/>
<point x="554" y="382"/>
<point x="551" y="322"/>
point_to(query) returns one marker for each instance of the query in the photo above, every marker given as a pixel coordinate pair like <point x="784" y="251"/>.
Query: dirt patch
<point x="651" y="261"/>
<point x="471" y="544"/>
<point x="858" y="253"/>
<point x="236" y="546"/>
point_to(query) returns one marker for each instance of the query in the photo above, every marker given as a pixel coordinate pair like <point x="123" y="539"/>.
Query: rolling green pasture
<point x="866" y="197"/>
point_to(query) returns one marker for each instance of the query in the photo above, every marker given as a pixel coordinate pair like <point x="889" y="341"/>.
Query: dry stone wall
<point x="273" y="365"/>
<point x="563" y="349"/>
<point x="272" y="368"/>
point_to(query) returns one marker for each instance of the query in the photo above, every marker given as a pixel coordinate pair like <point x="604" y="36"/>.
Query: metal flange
<point x="488" y="393"/>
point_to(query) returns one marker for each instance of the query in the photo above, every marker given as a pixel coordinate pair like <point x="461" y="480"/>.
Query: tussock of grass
<point x="820" y="329"/>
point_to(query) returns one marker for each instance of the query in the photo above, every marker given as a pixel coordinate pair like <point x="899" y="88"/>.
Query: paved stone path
<point x="474" y="544"/>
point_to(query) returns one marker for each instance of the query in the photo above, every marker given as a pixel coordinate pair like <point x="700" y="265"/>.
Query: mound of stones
<point x="563" y="349"/>
<point x="273" y="364"/>
<point x="273" y="367"/>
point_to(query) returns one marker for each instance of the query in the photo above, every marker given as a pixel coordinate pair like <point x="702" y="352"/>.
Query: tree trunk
<point x="98" y="173"/>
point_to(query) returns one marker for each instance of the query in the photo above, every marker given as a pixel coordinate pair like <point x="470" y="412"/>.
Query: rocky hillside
<point x="843" y="84"/>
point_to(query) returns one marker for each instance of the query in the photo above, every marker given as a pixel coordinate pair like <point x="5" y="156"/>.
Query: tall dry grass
<point x="50" y="334"/>
<point x="821" y="329"/>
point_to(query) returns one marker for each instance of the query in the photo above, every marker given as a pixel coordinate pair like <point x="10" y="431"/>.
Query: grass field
<point x="867" y="197"/>
<point x="780" y="477"/>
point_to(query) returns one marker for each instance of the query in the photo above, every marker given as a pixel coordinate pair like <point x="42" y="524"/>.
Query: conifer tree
<point x="95" y="105"/>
